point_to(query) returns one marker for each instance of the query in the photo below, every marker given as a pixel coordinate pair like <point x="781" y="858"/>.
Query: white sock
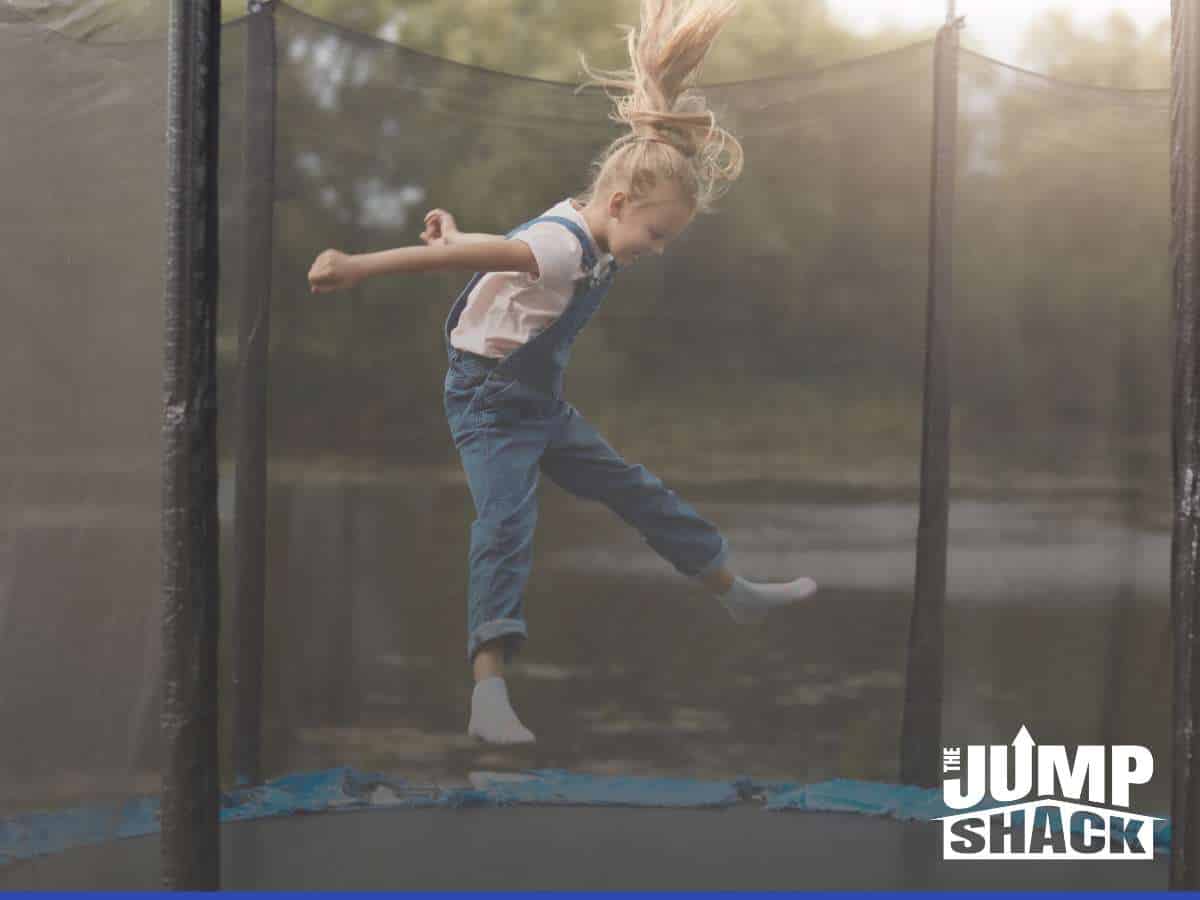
<point x="492" y="717"/>
<point x="749" y="602"/>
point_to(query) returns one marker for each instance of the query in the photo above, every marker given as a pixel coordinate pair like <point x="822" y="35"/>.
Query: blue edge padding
<point x="334" y="790"/>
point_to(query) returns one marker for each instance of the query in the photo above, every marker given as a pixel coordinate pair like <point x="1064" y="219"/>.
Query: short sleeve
<point x="557" y="252"/>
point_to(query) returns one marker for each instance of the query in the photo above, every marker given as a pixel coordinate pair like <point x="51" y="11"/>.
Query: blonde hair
<point x="672" y="135"/>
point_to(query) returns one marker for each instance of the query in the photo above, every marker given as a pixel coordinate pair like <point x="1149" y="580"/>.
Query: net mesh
<point x="1061" y="407"/>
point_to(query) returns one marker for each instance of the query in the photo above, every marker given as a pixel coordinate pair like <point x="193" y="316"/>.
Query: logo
<point x="1067" y="814"/>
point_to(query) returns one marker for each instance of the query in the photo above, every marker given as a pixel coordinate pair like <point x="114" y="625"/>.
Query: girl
<point x="509" y="333"/>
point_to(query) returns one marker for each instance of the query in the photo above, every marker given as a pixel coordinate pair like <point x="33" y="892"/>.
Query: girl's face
<point x="634" y="231"/>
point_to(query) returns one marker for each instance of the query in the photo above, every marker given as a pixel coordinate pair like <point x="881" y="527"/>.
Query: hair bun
<point x="654" y="100"/>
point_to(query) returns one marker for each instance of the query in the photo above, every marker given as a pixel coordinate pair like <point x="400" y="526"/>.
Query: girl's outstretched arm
<point x="334" y="270"/>
<point x="471" y="237"/>
<point x="488" y="255"/>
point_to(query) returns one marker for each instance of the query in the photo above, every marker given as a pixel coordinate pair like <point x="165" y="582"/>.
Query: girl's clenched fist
<point x="333" y="271"/>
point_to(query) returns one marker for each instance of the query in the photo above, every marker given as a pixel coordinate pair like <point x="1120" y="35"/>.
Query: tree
<point x="1116" y="56"/>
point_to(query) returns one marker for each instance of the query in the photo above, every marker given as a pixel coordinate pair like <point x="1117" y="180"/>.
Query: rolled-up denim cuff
<point x="497" y="628"/>
<point x="716" y="562"/>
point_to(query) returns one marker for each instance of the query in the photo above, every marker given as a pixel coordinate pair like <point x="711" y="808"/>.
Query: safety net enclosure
<point x="1061" y="385"/>
<point x="769" y="368"/>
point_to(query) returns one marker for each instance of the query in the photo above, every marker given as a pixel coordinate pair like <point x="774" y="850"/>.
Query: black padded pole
<point x="920" y="744"/>
<point x="190" y="588"/>
<point x="1185" y="436"/>
<point x="254" y="331"/>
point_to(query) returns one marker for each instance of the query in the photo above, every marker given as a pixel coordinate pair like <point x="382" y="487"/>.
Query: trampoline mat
<point x="580" y="848"/>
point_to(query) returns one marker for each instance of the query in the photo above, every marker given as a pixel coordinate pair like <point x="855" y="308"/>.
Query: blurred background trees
<point x="811" y="279"/>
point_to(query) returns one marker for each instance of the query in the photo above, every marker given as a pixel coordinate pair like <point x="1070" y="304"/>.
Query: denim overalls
<point x="508" y="420"/>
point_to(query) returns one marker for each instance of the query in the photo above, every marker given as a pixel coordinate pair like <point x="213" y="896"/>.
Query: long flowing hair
<point x="672" y="135"/>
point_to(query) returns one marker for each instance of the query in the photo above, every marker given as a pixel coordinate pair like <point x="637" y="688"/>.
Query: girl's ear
<point x="616" y="202"/>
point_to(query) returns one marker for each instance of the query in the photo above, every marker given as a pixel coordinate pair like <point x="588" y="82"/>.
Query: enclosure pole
<point x="190" y="586"/>
<point x="254" y="333"/>
<point x="920" y="750"/>
<point x="951" y="14"/>
<point x="1185" y="437"/>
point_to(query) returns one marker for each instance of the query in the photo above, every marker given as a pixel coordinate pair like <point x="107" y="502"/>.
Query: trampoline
<point x="771" y="367"/>
<point x="735" y="847"/>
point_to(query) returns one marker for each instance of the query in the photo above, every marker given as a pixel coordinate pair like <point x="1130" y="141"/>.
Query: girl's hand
<point x="440" y="228"/>
<point x="333" y="271"/>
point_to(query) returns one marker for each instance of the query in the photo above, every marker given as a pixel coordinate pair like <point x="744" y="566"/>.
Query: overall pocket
<point x="459" y="392"/>
<point x="471" y="392"/>
<point x="504" y="400"/>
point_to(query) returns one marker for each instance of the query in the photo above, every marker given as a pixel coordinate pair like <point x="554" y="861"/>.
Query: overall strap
<point x="589" y="258"/>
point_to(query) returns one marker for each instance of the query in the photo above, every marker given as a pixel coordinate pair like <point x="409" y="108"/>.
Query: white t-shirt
<point x="505" y="309"/>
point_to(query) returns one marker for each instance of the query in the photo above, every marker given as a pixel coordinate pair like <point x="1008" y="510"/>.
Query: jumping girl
<point x="509" y="334"/>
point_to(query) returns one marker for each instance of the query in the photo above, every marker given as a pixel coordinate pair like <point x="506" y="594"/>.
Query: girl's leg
<point x="719" y="580"/>
<point x="491" y="658"/>
<point x="502" y="472"/>
<point x="580" y="461"/>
